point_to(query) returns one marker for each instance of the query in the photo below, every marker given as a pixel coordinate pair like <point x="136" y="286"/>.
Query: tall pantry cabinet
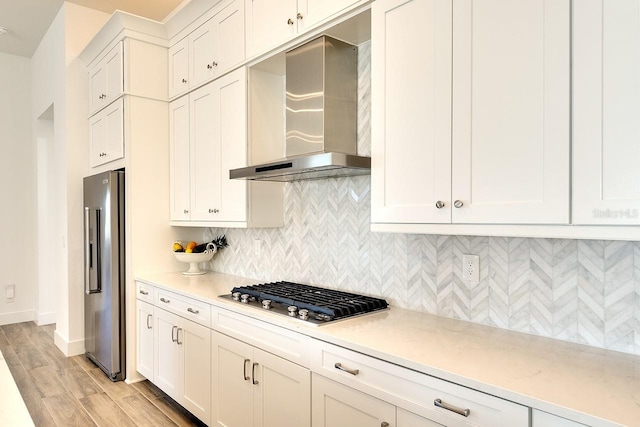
<point x="474" y="128"/>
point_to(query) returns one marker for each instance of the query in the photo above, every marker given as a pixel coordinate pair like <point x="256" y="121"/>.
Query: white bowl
<point x="194" y="260"/>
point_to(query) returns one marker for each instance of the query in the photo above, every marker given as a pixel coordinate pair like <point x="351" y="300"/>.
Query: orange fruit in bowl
<point x="191" y="245"/>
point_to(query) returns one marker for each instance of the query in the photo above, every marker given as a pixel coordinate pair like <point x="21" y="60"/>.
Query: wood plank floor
<point x="72" y="391"/>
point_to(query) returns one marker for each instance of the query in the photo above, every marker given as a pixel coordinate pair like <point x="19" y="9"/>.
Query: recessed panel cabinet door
<point x="229" y="37"/>
<point x="606" y="112"/>
<point x="179" y="67"/>
<point x="411" y="111"/>
<point x="511" y="111"/>
<point x="201" y="53"/>
<point x="168" y="359"/>
<point x="195" y="341"/>
<point x="268" y="23"/>
<point x="179" y="188"/>
<point x="144" y="353"/>
<point x="313" y="11"/>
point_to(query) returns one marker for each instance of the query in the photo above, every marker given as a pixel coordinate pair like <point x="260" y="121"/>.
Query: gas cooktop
<point x="308" y="303"/>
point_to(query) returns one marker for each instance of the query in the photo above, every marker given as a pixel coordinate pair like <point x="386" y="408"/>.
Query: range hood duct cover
<point x="321" y="116"/>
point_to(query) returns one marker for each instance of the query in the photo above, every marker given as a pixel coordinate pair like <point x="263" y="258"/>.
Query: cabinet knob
<point x="384" y="424"/>
<point x="299" y="16"/>
<point x="184" y="80"/>
<point x="213" y="211"/>
<point x="439" y="204"/>
<point x="186" y="211"/>
<point x="209" y="66"/>
<point x="290" y="21"/>
<point x="458" y="204"/>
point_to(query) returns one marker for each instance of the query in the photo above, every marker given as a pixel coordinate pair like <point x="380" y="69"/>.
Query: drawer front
<point x="186" y="307"/>
<point x="144" y="292"/>
<point x="427" y="396"/>
<point x="274" y="339"/>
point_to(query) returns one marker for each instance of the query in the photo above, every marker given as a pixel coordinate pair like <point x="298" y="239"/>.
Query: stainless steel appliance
<point x="321" y="116"/>
<point x="308" y="303"/>
<point x="104" y="272"/>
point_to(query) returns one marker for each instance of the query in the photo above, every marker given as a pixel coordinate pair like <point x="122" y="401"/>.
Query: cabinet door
<point x="314" y="11"/>
<point x="232" y="388"/>
<point x="409" y="419"/>
<point x="228" y="31"/>
<point x="114" y="141"/>
<point x="231" y="139"/>
<point x="195" y="343"/>
<point x="144" y="349"/>
<point x="97" y="139"/>
<point x="114" y="82"/>
<point x="97" y="87"/>
<point x="511" y="111"/>
<point x="411" y="111"/>
<point x="606" y="107"/>
<point x="336" y="405"/>
<point x="283" y="395"/>
<point x="179" y="67"/>
<point x="205" y="153"/>
<point x="167" y="361"/>
<point x="179" y="169"/>
<point x="268" y="23"/>
<point x="543" y="419"/>
<point x="201" y="53"/>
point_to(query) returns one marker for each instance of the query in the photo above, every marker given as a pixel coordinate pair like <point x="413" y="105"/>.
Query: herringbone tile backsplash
<point x="585" y="291"/>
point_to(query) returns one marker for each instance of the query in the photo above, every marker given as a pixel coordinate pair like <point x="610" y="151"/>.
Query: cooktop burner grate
<point x="332" y="303"/>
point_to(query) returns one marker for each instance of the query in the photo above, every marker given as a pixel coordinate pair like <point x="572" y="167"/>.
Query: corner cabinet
<point x="208" y="137"/>
<point x="606" y="107"/>
<point x="486" y="140"/>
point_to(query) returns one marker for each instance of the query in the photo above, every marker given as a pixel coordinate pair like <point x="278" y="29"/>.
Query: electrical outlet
<point x="10" y="292"/>
<point x="471" y="268"/>
<point x="257" y="247"/>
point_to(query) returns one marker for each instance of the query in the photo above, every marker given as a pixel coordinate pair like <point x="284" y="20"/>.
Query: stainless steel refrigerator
<point x="104" y="278"/>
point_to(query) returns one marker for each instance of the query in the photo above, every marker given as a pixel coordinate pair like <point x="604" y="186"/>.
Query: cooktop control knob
<point x="266" y="304"/>
<point x="304" y="314"/>
<point x="236" y="296"/>
<point x="244" y="298"/>
<point x="292" y="310"/>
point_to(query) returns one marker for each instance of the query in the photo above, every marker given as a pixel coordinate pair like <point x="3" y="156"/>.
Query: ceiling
<point x="28" y="20"/>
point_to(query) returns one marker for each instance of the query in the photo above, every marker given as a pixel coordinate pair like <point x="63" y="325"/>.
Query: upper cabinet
<point x="474" y="129"/>
<point x="209" y="51"/>
<point x="106" y="80"/>
<point x="270" y="23"/>
<point x="606" y="108"/>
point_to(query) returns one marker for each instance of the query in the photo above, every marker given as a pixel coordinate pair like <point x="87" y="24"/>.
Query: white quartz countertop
<point x="582" y="383"/>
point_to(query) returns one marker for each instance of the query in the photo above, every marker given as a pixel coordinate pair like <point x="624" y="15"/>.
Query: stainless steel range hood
<point x="321" y="112"/>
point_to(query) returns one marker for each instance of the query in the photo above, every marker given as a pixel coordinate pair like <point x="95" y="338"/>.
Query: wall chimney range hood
<point x="321" y="111"/>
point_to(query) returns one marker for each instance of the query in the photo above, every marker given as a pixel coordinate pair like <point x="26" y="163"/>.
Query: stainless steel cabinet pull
<point x="173" y="331"/>
<point x="353" y="372"/>
<point x="148" y="318"/>
<point x="440" y="404"/>
<point x="166" y="301"/>
<point x="191" y="310"/>
<point x="439" y="204"/>
<point x="458" y="204"/>
<point x="384" y="424"/>
<point x="178" y="336"/>
<point x="253" y="374"/>
<point x="143" y="292"/>
<point x="244" y="370"/>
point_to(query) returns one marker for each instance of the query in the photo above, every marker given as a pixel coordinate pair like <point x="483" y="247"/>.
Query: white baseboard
<point x="72" y="348"/>
<point x="45" y="318"/>
<point x="17" y="317"/>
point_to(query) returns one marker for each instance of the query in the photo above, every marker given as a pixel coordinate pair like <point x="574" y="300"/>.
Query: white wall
<point x="59" y="79"/>
<point x="18" y="250"/>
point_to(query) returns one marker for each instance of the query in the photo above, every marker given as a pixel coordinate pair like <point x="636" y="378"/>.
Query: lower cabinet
<point x="336" y="405"/>
<point x="251" y="387"/>
<point x="544" y="419"/>
<point x="144" y="344"/>
<point x="182" y="362"/>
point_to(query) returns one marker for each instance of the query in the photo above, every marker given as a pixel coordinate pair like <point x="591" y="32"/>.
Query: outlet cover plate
<point x="471" y="268"/>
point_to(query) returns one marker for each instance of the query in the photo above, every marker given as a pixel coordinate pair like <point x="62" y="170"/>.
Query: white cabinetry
<point x="144" y="347"/>
<point x="544" y="419"/>
<point x="254" y="388"/>
<point x="106" y="134"/>
<point x="606" y="107"/>
<point x="502" y="70"/>
<point x="270" y="23"/>
<point x="420" y="400"/>
<point x="106" y="79"/>
<point x="183" y="362"/>
<point x="208" y="136"/>
<point x="210" y="50"/>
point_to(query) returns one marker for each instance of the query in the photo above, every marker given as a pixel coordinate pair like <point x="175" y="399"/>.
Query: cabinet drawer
<point x="422" y="394"/>
<point x="144" y="292"/>
<point x="274" y="339"/>
<point x="186" y="307"/>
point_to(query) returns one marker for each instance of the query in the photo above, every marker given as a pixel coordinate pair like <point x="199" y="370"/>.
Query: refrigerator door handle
<point x="92" y="264"/>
